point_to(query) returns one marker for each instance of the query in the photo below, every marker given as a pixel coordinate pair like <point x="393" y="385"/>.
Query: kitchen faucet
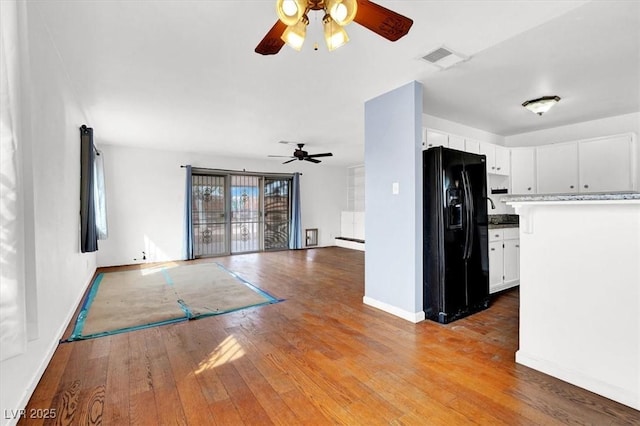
<point x="493" y="206"/>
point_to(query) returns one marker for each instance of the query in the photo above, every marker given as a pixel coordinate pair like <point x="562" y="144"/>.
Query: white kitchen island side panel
<point x="580" y="293"/>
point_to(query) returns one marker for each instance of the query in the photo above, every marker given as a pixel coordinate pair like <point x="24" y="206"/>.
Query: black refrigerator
<point x="456" y="260"/>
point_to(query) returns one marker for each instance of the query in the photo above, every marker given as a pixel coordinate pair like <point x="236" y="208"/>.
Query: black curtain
<point x="88" y="231"/>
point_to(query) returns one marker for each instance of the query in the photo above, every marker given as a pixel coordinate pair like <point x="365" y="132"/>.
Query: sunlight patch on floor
<point x="227" y="351"/>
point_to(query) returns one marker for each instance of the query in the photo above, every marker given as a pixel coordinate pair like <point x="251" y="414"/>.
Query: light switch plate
<point x="395" y="188"/>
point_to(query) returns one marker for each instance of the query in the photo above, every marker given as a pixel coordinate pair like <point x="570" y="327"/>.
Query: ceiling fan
<point x="293" y="20"/>
<point x="300" y="154"/>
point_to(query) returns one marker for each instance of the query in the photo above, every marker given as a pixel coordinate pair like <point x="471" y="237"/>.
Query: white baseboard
<point x="623" y="396"/>
<point x="354" y="245"/>
<point x="503" y="286"/>
<point x="413" y="317"/>
<point x="51" y="349"/>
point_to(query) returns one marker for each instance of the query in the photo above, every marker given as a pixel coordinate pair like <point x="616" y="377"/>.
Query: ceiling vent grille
<point x="443" y="57"/>
<point x="436" y="55"/>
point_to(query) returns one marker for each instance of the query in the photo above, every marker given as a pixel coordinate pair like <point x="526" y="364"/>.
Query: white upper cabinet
<point x="523" y="170"/>
<point x="489" y="150"/>
<point x="502" y="160"/>
<point x="497" y="158"/>
<point x="456" y="142"/>
<point x="608" y="164"/>
<point x="472" y="145"/>
<point x="434" y="138"/>
<point x="557" y="168"/>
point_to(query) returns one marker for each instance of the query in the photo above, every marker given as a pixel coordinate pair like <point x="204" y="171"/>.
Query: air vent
<point x="436" y="55"/>
<point x="443" y="57"/>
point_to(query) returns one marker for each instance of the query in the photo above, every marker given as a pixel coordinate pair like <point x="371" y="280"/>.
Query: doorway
<point x="239" y="213"/>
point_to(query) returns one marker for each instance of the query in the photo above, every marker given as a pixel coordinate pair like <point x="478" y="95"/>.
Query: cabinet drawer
<point x="496" y="235"/>
<point x="511" y="233"/>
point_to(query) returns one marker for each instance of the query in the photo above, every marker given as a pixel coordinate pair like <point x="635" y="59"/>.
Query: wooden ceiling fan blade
<point x="326" y="154"/>
<point x="272" y="43"/>
<point x="382" y="21"/>
<point x="288" y="161"/>
<point x="313" y="160"/>
<point x="280" y="156"/>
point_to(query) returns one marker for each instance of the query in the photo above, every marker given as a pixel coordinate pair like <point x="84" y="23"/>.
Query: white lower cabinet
<point x="504" y="258"/>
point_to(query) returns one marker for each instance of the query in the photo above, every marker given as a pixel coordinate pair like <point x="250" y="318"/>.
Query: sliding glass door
<point x="208" y="194"/>
<point x="276" y="213"/>
<point x="239" y="213"/>
<point x="246" y="220"/>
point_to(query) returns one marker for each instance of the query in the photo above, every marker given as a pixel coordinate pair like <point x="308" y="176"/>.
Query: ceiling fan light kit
<point x="342" y="12"/>
<point x="541" y="105"/>
<point x="294" y="35"/>
<point x="293" y="19"/>
<point x="334" y="35"/>
<point x="290" y="11"/>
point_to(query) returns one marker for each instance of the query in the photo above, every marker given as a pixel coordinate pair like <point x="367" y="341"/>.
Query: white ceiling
<point x="182" y="75"/>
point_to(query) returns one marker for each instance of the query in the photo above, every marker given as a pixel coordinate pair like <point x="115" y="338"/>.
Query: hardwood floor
<point x="319" y="357"/>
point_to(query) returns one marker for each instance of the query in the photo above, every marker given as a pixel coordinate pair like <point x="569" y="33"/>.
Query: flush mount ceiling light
<point x="541" y="105"/>
<point x="293" y="20"/>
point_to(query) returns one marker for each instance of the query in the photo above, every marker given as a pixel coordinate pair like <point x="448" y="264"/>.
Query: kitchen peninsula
<point x="580" y="290"/>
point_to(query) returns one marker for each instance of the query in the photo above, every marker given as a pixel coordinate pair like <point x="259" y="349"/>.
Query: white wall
<point x="393" y="154"/>
<point x="57" y="273"/>
<point x="146" y="190"/>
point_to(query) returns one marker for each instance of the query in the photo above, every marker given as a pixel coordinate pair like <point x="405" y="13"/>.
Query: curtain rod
<point x="243" y="171"/>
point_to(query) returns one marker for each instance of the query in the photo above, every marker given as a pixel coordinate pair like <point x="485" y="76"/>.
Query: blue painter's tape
<point x="84" y="311"/>
<point x="123" y="330"/>
<point x="180" y="302"/>
<point x="261" y="292"/>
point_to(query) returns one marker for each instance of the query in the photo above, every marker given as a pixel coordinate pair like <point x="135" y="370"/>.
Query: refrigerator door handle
<point x="472" y="214"/>
<point x="466" y="217"/>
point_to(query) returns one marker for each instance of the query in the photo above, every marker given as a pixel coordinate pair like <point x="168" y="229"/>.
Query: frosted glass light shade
<point x="541" y="105"/>
<point x="342" y="11"/>
<point x="290" y="11"/>
<point x="294" y="35"/>
<point x="334" y="35"/>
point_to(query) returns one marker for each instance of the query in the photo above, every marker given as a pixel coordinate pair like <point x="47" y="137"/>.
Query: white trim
<point x="413" y="317"/>
<point x="354" y="245"/>
<point x="577" y="378"/>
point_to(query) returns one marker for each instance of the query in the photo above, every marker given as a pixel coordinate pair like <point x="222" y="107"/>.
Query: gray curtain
<point x="295" y="237"/>
<point x="188" y="217"/>
<point x="88" y="230"/>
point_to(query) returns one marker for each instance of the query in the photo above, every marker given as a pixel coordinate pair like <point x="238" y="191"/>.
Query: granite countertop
<point x="616" y="196"/>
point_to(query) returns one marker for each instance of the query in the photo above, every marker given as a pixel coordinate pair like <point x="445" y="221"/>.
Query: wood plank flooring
<point x="319" y="357"/>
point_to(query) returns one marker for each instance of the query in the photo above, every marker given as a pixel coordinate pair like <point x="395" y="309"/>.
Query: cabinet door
<point x="496" y="265"/>
<point x="606" y="164"/>
<point x="502" y="160"/>
<point x="472" y="146"/>
<point x="557" y="168"/>
<point x="436" y="138"/>
<point x="489" y="150"/>
<point x="456" y="142"/>
<point x="511" y="261"/>
<point x="523" y="171"/>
